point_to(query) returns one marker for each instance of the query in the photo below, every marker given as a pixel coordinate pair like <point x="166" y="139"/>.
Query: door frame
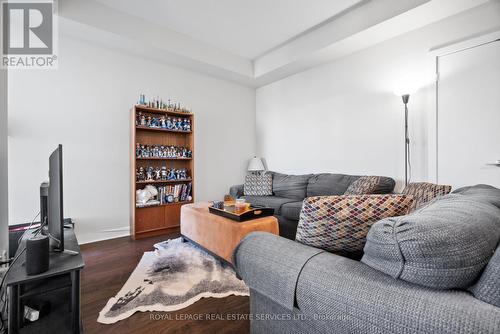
<point x="434" y="58"/>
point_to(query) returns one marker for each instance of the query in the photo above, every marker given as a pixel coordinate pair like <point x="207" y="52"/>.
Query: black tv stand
<point x="52" y="285"/>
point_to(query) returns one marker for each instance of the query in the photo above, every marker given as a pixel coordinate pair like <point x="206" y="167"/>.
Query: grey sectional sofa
<point x="290" y="190"/>
<point x="295" y="288"/>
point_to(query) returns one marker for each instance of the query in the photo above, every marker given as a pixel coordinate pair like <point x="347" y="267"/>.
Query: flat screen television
<point x="55" y="216"/>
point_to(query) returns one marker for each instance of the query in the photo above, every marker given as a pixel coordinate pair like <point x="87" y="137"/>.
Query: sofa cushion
<point x="487" y="288"/>
<point x="291" y="210"/>
<point x="290" y="186"/>
<point x="340" y="223"/>
<point x="371" y="185"/>
<point x="258" y="185"/>
<point x="424" y="192"/>
<point x="329" y="184"/>
<point x="445" y="244"/>
<point x="481" y="192"/>
<point x="268" y="201"/>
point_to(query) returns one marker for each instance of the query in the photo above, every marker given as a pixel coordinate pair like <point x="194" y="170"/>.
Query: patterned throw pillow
<point x="340" y="223"/>
<point x="258" y="185"/>
<point x="424" y="192"/>
<point x="363" y="186"/>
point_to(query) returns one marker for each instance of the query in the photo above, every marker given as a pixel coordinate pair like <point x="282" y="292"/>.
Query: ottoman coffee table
<point x="216" y="234"/>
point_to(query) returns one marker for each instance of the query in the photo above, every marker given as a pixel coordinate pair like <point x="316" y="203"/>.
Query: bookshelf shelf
<point x="146" y="221"/>
<point x="163" y="158"/>
<point x="164" y="204"/>
<point x="145" y="109"/>
<point x="164" y="181"/>
<point x="147" y="128"/>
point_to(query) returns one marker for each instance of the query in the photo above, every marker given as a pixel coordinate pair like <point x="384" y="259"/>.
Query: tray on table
<point x="254" y="212"/>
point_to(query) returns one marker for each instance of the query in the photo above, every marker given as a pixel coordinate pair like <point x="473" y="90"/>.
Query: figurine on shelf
<point x="138" y="150"/>
<point x="142" y="119"/>
<point x="149" y="174"/>
<point x="154" y="122"/>
<point x="179" y="124"/>
<point x="163" y="122"/>
<point x="169" y="123"/>
<point x="164" y="173"/>
<point x="148" y="121"/>
<point x="157" y="175"/>
<point x="187" y="125"/>
<point x="140" y="174"/>
<point x="171" y="174"/>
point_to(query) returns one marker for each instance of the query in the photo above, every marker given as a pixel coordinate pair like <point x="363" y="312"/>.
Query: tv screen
<point x="55" y="200"/>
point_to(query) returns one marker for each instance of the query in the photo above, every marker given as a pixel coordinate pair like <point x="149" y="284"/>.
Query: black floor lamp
<point x="406" y="98"/>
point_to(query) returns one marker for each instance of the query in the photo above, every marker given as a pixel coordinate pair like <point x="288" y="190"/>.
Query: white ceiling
<point x="252" y="42"/>
<point x="242" y="27"/>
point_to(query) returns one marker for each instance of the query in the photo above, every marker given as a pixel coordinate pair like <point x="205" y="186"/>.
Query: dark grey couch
<point x="290" y="190"/>
<point x="295" y="288"/>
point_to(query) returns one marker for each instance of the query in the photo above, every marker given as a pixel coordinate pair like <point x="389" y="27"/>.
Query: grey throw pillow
<point x="444" y="245"/>
<point x="258" y="185"/>
<point x="290" y="186"/>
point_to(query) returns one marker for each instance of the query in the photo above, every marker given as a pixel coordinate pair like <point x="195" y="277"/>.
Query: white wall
<point x="85" y="104"/>
<point x="343" y="116"/>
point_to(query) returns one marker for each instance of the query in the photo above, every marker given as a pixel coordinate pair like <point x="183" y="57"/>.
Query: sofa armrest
<point x="271" y="265"/>
<point x="350" y="294"/>
<point x="236" y="191"/>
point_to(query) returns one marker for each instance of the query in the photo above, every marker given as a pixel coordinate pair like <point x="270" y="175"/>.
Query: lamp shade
<point x="256" y="165"/>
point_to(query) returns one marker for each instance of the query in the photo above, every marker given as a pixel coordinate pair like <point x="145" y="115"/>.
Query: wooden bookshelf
<point x="164" y="218"/>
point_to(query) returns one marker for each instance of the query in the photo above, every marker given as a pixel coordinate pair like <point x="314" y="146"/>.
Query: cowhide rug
<point x="174" y="276"/>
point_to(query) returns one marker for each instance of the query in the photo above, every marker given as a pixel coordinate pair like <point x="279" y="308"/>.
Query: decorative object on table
<point x="177" y="274"/>
<point x="161" y="130"/>
<point x="257" y="182"/>
<point x="424" y="192"/>
<point x="240" y="206"/>
<point x="218" y="205"/>
<point x="364" y="185"/>
<point x="244" y="213"/>
<point x="341" y="223"/>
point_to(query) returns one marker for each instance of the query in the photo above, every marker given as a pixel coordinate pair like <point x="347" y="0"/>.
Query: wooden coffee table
<point x="217" y="234"/>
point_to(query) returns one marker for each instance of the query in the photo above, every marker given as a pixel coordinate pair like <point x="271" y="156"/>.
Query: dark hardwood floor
<point x="108" y="265"/>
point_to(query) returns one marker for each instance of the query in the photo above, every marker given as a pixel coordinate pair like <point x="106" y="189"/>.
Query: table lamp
<point x="255" y="166"/>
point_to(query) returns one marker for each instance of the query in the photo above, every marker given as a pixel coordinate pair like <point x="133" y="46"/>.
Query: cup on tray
<point x="241" y="206"/>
